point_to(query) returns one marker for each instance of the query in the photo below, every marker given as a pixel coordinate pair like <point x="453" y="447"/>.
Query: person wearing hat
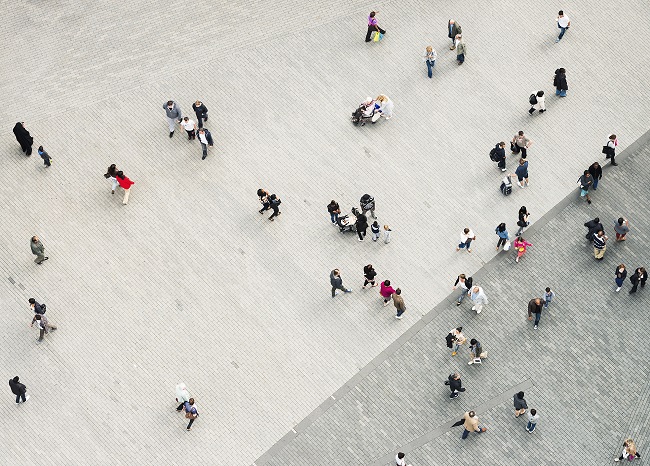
<point x="201" y="112"/>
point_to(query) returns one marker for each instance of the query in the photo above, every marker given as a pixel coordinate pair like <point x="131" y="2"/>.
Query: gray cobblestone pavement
<point x="585" y="365"/>
<point x="188" y="282"/>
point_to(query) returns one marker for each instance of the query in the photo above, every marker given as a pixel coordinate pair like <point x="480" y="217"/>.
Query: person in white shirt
<point x="399" y="459"/>
<point x="466" y="239"/>
<point x="540" y="105"/>
<point x="563" y="23"/>
<point x="429" y="58"/>
<point x="190" y="127"/>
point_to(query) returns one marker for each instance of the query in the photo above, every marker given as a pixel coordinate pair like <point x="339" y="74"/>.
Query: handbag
<point x="377" y="37"/>
<point x="190" y="416"/>
<point x="506" y="247"/>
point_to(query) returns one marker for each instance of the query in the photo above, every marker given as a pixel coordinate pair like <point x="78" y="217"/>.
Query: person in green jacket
<point x="461" y="49"/>
<point x="38" y="250"/>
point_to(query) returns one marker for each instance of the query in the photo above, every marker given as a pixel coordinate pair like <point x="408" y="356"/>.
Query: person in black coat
<point x="369" y="274"/>
<point x="18" y="389"/>
<point x="640" y="276"/>
<point x="201" y="112"/>
<point x="619" y="276"/>
<point x="597" y="173"/>
<point x="593" y="226"/>
<point x="23" y="137"/>
<point x="455" y="385"/>
<point x="560" y="82"/>
<point x="520" y="404"/>
<point x="361" y="225"/>
<point x="500" y="155"/>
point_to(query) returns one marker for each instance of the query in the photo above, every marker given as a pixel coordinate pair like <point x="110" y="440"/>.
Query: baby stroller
<point x="346" y="223"/>
<point x="363" y="113"/>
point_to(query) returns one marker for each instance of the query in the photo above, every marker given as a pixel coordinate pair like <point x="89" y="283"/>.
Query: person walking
<point x="479" y="299"/>
<point x="585" y="182"/>
<point x="521" y="246"/>
<point x="369" y="275"/>
<point x="537" y="102"/>
<point x="471" y="424"/>
<point x="455" y="385"/>
<point x="457" y="339"/>
<point x="174" y="114"/>
<point x="619" y="276"/>
<point x="593" y="227"/>
<point x="23" y="137"/>
<point x="630" y="452"/>
<point x="520" y="143"/>
<point x="622" y="228"/>
<point x="398" y="302"/>
<point x="383" y="108"/>
<point x="38" y="250"/>
<point x="387" y="232"/>
<point x="596" y="172"/>
<point x="373" y="26"/>
<point x="533" y="417"/>
<point x="461" y="49"/>
<point x="535" y="307"/>
<point x="190" y="412"/>
<point x="274" y="203"/>
<point x="522" y="220"/>
<point x="367" y="204"/>
<point x="47" y="160"/>
<point x="337" y="282"/>
<point x="563" y="23"/>
<point x="18" y="389"/>
<point x="609" y="149"/>
<point x="559" y="81"/>
<point x="522" y="173"/>
<point x="638" y="277"/>
<point x="475" y="351"/>
<point x="43" y="325"/>
<point x="110" y="175"/>
<point x="502" y="233"/>
<point x="498" y="155"/>
<point x="453" y="29"/>
<point x="520" y="404"/>
<point x="465" y="284"/>
<point x="205" y="138"/>
<point x="548" y="297"/>
<point x="466" y="238"/>
<point x="125" y="183"/>
<point x="201" y="112"/>
<point x="35" y="307"/>
<point x="334" y="211"/>
<point x="430" y="57"/>
<point x="361" y="225"/>
<point x="190" y="128"/>
<point x="600" y="245"/>
<point x="182" y="396"/>
<point x="375" y="230"/>
<point x="399" y="459"/>
<point x="264" y="200"/>
<point x="386" y="291"/>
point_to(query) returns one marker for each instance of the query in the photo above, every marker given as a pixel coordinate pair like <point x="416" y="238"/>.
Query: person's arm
<point x="33" y="320"/>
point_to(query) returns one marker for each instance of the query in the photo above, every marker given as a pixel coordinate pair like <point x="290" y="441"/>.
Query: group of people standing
<point x="174" y="115"/>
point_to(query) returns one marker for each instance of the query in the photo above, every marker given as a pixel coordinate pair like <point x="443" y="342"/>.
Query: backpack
<point x="532" y="99"/>
<point x="493" y="155"/>
<point x="506" y="186"/>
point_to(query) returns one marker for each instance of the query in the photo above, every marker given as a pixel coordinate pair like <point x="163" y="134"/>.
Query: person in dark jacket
<point x="522" y="173"/>
<point x="47" y="160"/>
<point x="264" y="199"/>
<point x="38" y="250"/>
<point x="535" y="307"/>
<point x="201" y="112"/>
<point x="453" y="29"/>
<point x="596" y="172"/>
<point x="455" y="385"/>
<point x="593" y="226"/>
<point x="23" y="137"/>
<point x="36" y="307"/>
<point x="361" y="225"/>
<point x="585" y="181"/>
<point x="522" y="220"/>
<point x="639" y="277"/>
<point x="520" y="404"/>
<point x="337" y="282"/>
<point x="205" y="138"/>
<point x="274" y="203"/>
<point x="369" y="274"/>
<point x="500" y="155"/>
<point x="559" y="81"/>
<point x="334" y="210"/>
<point x="18" y="389"/>
<point x="619" y="276"/>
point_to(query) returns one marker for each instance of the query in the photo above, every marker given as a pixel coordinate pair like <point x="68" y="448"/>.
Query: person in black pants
<point x="500" y="155"/>
<point x="23" y="137"/>
<point x="18" y="389"/>
<point x="190" y="412"/>
<point x="593" y="226"/>
<point x="640" y="276"/>
<point x="372" y="26"/>
<point x="275" y="205"/>
<point x="369" y="273"/>
<point x="455" y="385"/>
<point x="502" y="233"/>
<point x="201" y="112"/>
<point x="361" y="225"/>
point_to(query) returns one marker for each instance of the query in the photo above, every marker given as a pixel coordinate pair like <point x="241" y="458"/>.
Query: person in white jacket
<point x="478" y="298"/>
<point x="182" y="395"/>
<point x="384" y="108"/>
<point x="540" y="105"/>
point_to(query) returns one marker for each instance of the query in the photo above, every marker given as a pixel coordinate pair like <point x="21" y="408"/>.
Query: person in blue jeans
<point x="596" y="172"/>
<point x="559" y="81"/>
<point x="190" y="412"/>
<point x="430" y="56"/>
<point x="471" y="424"/>
<point x="548" y="296"/>
<point x="563" y="23"/>
<point x="334" y="211"/>
<point x="502" y="233"/>
<point x="533" y="417"/>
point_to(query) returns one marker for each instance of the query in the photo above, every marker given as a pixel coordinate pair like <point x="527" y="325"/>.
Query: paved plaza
<point x="189" y="283"/>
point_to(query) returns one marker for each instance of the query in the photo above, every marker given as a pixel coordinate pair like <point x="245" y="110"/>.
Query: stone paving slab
<point x="188" y="282"/>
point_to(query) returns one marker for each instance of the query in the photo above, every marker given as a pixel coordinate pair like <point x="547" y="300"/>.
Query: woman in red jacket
<point x="125" y="183"/>
<point x="386" y="291"/>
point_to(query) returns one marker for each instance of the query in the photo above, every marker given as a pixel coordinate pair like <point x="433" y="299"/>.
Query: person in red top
<point x="125" y="183"/>
<point x="386" y="291"/>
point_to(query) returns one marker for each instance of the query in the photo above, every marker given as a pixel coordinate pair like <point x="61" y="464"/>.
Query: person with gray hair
<point x="174" y="114"/>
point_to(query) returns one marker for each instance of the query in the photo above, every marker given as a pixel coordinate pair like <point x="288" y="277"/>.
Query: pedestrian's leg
<point x="557" y="91"/>
<point x="429" y="69"/>
<point x="465" y="434"/>
<point x="468" y="243"/>
<point x="523" y="152"/>
<point x="41" y="333"/>
<point x="537" y="317"/>
<point x="333" y="291"/>
<point x="189" y="425"/>
<point x="359" y="232"/>
<point x="369" y="33"/>
<point x="612" y="160"/>
<point x="462" y="296"/>
<point x="205" y="150"/>
<point x="171" y="122"/>
<point x="199" y="118"/>
<point x="180" y="406"/>
<point x="125" y="201"/>
<point x="595" y="183"/>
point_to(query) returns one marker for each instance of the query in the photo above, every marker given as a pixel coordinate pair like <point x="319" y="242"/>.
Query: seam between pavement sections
<point x="426" y="319"/>
<point x="503" y="397"/>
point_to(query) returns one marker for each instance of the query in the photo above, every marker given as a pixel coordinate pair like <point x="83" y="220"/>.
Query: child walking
<point x="374" y="229"/>
<point x="548" y="297"/>
<point x="521" y="245"/>
<point x="387" y="234"/>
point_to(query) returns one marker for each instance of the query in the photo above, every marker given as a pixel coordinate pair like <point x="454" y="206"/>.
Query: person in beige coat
<point x="471" y="424"/>
<point x="398" y="301"/>
<point x="461" y="49"/>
